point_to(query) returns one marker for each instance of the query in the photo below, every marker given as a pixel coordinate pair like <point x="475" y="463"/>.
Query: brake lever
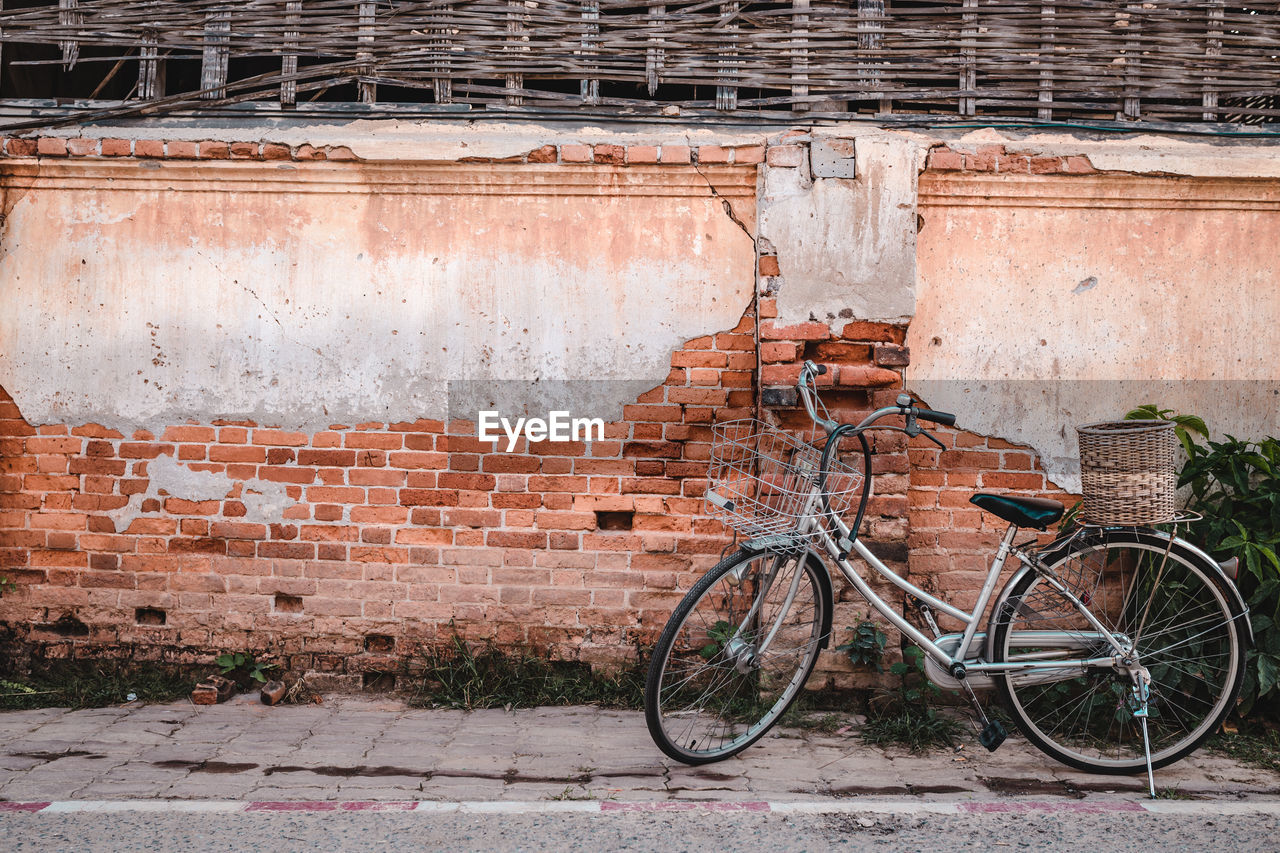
<point x="930" y="436"/>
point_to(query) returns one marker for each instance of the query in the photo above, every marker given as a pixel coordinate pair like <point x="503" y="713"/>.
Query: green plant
<point x="1258" y="747"/>
<point x="867" y="646"/>
<point x="906" y="715"/>
<point x="91" y="684"/>
<point x="458" y="676"/>
<point x="244" y="664"/>
<point x="6" y="585"/>
<point x="719" y="634"/>
<point x="1234" y="486"/>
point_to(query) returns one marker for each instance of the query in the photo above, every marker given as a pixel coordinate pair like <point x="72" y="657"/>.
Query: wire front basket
<point x="763" y="482"/>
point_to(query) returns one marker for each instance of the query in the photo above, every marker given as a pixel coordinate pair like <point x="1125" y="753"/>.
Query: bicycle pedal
<point x="992" y="735"/>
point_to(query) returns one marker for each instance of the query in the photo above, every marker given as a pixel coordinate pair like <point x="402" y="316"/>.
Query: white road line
<point x="597" y="807"/>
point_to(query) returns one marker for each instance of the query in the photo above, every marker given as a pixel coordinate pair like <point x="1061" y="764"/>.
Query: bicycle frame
<point x="970" y="620"/>
<point x="831" y="542"/>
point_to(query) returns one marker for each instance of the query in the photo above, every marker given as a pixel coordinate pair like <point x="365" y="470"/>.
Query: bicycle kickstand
<point x="1142" y="693"/>
<point x="993" y="731"/>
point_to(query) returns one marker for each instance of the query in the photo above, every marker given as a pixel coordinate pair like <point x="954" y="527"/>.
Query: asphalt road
<point x="686" y="831"/>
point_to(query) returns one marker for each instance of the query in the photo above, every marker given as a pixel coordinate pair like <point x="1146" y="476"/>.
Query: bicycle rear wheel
<point x="1164" y="603"/>
<point x="735" y="654"/>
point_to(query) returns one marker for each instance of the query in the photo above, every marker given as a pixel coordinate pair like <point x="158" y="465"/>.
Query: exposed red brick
<point x="575" y="153"/>
<point x="82" y="147"/>
<point x="211" y="150"/>
<point x="51" y="146"/>
<point x="712" y="154"/>
<point x="116" y="147"/>
<point x="945" y="160"/>
<point x="613" y="155"/>
<point x="808" y="331"/>
<point x="748" y="154"/>
<point x="148" y="148"/>
<point x="545" y="154"/>
<point x="309" y="152"/>
<point x="675" y="154"/>
<point x="785" y="156"/>
<point x="182" y="149"/>
<point x="768" y="265"/>
<point x="275" y="151"/>
<point x="640" y="154"/>
<point x="245" y="150"/>
<point x="21" y="147"/>
<point x="1077" y="165"/>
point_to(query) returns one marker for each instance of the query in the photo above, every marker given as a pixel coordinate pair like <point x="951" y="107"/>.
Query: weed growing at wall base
<point x="92" y="684"/>
<point x="458" y="676"/>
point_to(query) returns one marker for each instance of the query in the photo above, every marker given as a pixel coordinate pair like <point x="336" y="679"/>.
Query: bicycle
<point x="1114" y="648"/>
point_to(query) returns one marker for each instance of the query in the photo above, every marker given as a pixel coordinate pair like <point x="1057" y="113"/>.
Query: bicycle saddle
<point x="1024" y="512"/>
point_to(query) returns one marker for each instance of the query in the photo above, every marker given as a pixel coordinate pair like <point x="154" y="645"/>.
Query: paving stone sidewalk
<point x="353" y="748"/>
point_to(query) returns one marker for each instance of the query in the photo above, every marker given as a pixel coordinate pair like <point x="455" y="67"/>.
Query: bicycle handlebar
<point x="944" y="418"/>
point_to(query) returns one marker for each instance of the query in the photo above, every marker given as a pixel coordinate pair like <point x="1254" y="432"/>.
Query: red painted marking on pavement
<point x="369" y="806"/>
<point x="22" y="807"/>
<point x="293" y="806"/>
<point x="609" y="806"/>
<point x="1076" y="806"/>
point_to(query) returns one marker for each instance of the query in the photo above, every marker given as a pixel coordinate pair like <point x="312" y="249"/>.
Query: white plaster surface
<point x="139" y="294"/>
<point x="846" y="247"/>
<point x="1047" y="304"/>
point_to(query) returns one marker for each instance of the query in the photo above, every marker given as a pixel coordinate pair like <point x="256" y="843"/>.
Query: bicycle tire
<point x="708" y="695"/>
<point x="1188" y="636"/>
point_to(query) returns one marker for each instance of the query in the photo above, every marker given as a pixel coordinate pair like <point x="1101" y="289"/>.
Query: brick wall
<point x="401" y="534"/>
<point x="397" y="533"/>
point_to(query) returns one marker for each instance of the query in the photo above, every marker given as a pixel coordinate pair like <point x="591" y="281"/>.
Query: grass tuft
<point x="458" y="676"/>
<point x="1258" y="748"/>
<point x="918" y="728"/>
<point x="93" y="684"/>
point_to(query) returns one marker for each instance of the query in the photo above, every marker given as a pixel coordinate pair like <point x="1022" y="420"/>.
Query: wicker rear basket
<point x="1127" y="472"/>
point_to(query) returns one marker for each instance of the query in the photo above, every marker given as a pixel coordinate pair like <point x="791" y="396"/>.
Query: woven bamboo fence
<point x="1171" y="61"/>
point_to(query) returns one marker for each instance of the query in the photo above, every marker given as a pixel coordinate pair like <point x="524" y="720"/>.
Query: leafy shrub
<point x="867" y="646"/>
<point x="244" y="668"/>
<point x="1235" y="486"/>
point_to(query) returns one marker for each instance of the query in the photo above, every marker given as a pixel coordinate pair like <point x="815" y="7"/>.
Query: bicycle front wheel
<point x="735" y="654"/>
<point x="1161" y="602"/>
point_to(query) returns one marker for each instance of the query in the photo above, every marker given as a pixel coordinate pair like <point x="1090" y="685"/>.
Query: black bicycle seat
<point x="1024" y="512"/>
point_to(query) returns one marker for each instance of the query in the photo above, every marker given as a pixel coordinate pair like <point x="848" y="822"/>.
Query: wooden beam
<point x="590" y="86"/>
<point x="443" y="84"/>
<point x="289" y="60"/>
<point x="213" y="63"/>
<point x="1048" y="35"/>
<point x="515" y="30"/>
<point x="368" y="92"/>
<point x="1132" y="109"/>
<point x="1212" y="50"/>
<point x="968" y="60"/>
<point x="871" y="40"/>
<point x="69" y="16"/>
<point x="800" y="55"/>
<point x="655" y="55"/>
<point x="150" y="69"/>
<point x="726" y="95"/>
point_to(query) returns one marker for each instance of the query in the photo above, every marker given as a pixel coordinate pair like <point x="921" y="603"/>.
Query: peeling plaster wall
<point x="1047" y="302"/>
<point x="143" y="293"/>
<point x="846" y="246"/>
